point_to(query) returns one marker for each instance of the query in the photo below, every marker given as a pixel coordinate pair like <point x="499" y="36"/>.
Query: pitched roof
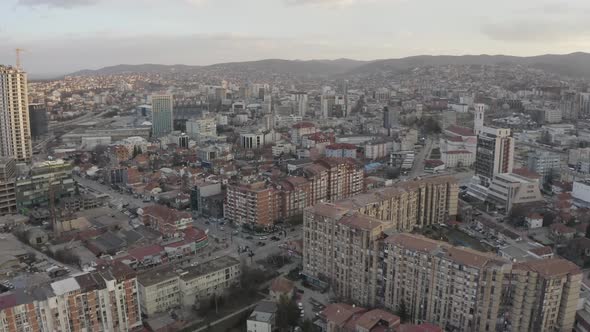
<point x="552" y="267"/>
<point x="369" y="319"/>
<point x="282" y="285"/>
<point x="462" y="131"/>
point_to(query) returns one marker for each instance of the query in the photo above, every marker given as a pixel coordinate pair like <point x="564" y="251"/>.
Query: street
<point x="116" y="197"/>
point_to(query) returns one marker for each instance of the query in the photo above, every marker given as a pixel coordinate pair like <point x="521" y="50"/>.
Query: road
<point x="418" y="167"/>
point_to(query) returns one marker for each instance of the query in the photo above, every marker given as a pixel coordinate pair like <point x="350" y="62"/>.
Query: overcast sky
<point x="62" y="36"/>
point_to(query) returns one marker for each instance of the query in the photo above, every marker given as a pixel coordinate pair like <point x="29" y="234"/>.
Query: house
<point x="424" y="327"/>
<point x="165" y="220"/>
<point x="434" y="166"/>
<point x="263" y="318"/>
<point x="543" y="252"/>
<point x="340" y="317"/>
<point x="534" y="220"/>
<point x="561" y="233"/>
<point x="281" y="286"/>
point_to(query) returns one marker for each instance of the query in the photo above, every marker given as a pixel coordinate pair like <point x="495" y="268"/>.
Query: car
<point x="221" y="228"/>
<point x="236" y="232"/>
<point x="302" y="313"/>
<point x="249" y="237"/>
<point x="207" y="223"/>
<point x="300" y="306"/>
<point x="263" y="238"/>
<point x="275" y="238"/>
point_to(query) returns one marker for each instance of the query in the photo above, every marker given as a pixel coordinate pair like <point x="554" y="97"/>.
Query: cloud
<point x="330" y="3"/>
<point x="57" y="3"/>
<point x="538" y="30"/>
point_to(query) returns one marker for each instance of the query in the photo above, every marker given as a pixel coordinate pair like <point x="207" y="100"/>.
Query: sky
<point x="62" y="36"/>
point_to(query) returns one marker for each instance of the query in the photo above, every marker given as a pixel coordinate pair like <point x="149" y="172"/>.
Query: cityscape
<point x="370" y="191"/>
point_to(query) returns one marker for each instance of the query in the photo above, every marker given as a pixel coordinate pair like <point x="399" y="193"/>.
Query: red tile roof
<point x="303" y="125"/>
<point x="141" y="252"/>
<point x="341" y="146"/>
<point x="282" y="285"/>
<point x="561" y="228"/>
<point x="462" y="131"/>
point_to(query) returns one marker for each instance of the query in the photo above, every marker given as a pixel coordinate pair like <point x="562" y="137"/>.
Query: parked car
<point x="263" y="238"/>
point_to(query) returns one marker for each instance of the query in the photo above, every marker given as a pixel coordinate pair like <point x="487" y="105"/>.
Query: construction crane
<point x="18" y="52"/>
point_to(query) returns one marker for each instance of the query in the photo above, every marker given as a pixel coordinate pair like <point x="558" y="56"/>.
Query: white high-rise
<point x="15" y="131"/>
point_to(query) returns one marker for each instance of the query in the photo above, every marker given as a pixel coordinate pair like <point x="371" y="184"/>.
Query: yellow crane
<point x="18" y="52"/>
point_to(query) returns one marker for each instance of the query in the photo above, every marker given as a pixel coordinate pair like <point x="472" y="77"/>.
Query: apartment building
<point x="7" y="186"/>
<point x="251" y="204"/>
<point x="345" y="177"/>
<point x="159" y="291"/>
<point x="453" y="287"/>
<point x="169" y="222"/>
<point x="352" y="228"/>
<point x="15" y="131"/>
<point x="544" y="295"/>
<point x="199" y="283"/>
<point x="295" y="195"/>
<point x="167" y="288"/>
<point x="102" y="300"/>
<point x="45" y="179"/>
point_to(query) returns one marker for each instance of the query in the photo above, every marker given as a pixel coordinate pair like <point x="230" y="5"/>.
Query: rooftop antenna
<point x="18" y="52"/>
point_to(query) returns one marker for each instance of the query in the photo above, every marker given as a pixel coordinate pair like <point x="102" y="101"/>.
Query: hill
<point x="573" y="65"/>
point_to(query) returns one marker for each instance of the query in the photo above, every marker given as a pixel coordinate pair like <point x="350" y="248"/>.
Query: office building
<point x="546" y="164"/>
<point x="162" y="115"/>
<point x="494" y="154"/>
<point x="45" y="181"/>
<point x="15" y="133"/>
<point x="252" y="141"/>
<point x="390" y="117"/>
<point x="299" y="100"/>
<point x="39" y="120"/>
<point x="102" y="300"/>
<point x="7" y="186"/>
<point x="202" y="129"/>
<point x="510" y="189"/>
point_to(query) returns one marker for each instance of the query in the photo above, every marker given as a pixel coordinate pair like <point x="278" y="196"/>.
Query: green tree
<point x="307" y="326"/>
<point x="402" y="312"/>
<point x="287" y="313"/>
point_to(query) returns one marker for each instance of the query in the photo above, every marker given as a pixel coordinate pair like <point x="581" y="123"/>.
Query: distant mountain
<point x="574" y="65"/>
<point x="295" y="67"/>
<point x="143" y="68"/>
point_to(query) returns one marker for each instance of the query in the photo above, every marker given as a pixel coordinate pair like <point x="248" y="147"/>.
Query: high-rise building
<point x="454" y="287"/>
<point x="546" y="164"/>
<point x="352" y="227"/>
<point x="162" y="115"/>
<point x="38" y="120"/>
<point x="300" y="100"/>
<point x="544" y="295"/>
<point x="389" y="117"/>
<point x="7" y="186"/>
<point x="251" y="204"/>
<point x="202" y="129"/>
<point x="15" y="133"/>
<point x="494" y="155"/>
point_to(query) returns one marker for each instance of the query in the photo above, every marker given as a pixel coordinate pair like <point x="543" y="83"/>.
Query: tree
<point x="588" y="231"/>
<point x="402" y="312"/>
<point x="287" y="313"/>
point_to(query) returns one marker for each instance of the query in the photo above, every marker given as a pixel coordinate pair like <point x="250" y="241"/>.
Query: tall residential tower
<point x="15" y="133"/>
